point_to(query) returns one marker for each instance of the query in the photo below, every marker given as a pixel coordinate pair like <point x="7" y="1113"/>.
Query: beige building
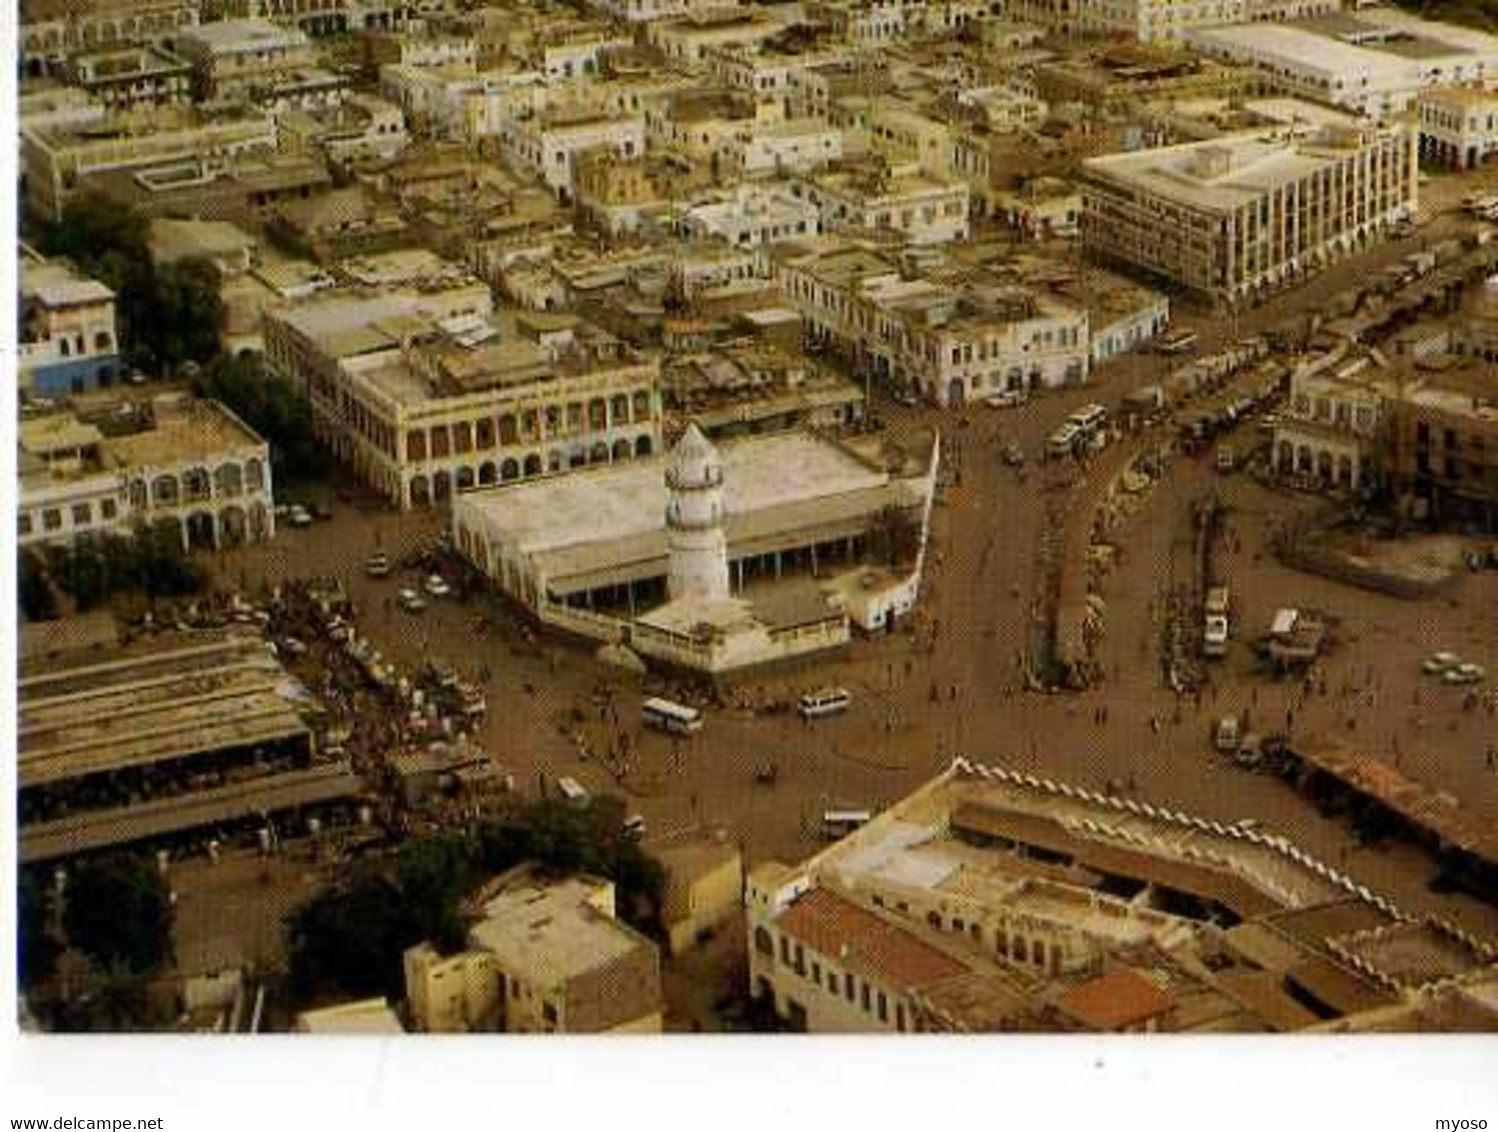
<point x="1235" y="218"/>
<point x="883" y="198"/>
<point x="950" y="337"/>
<point x="130" y="78"/>
<point x="51" y="30"/>
<point x="243" y="58"/>
<point x="1158" y="20"/>
<point x="547" y="955"/>
<point x="1332" y="426"/>
<point x="454" y="994"/>
<point x="193" y="464"/>
<point x="370" y="1016"/>
<point x="549" y="145"/>
<point x="704" y="889"/>
<point x="423" y="406"/>
<point x="1458" y="125"/>
<point x="58" y="161"/>
<point x="995" y="900"/>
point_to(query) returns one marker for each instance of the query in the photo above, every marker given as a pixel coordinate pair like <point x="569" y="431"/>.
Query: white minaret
<point x="696" y="547"/>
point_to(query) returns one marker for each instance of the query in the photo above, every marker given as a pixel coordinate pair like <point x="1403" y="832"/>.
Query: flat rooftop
<point x="1222" y="174"/>
<point x="550" y="928"/>
<point x="628" y="499"/>
<point x="203" y="809"/>
<point x="198" y="430"/>
<point x="143" y="704"/>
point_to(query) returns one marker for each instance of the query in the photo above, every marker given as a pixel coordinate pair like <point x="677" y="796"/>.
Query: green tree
<point x="118" y="912"/>
<point x="33" y="590"/>
<point x="37" y="948"/>
<point x="561" y="836"/>
<point x="168" y="315"/>
<point x="95" y="567"/>
<point x="272" y="407"/>
<point x="189" y="313"/>
<point x="434" y="876"/>
<point x="350" y="938"/>
<point x="894" y="537"/>
<point x="116" y="1002"/>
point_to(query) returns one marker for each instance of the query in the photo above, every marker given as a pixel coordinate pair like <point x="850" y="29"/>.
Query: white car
<point x="436" y="586"/>
<point x="1465" y="674"/>
<point x="1215" y="636"/>
<point x="1008" y="399"/>
<point x="411" y="601"/>
<point x="1439" y="663"/>
<point x="299" y="516"/>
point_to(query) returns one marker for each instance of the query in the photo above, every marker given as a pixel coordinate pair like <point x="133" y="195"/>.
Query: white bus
<point x="573" y="790"/>
<point x="1089" y="418"/>
<point x="838" y="824"/>
<point x="824" y="701"/>
<point x="667" y="716"/>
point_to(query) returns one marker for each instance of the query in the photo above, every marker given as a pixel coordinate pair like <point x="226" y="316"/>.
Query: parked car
<point x="377" y="565"/>
<point x="1227" y="735"/>
<point x="1014" y="455"/>
<point x="1439" y="662"/>
<point x="411" y="601"/>
<point x="299" y="516"/>
<point x="436" y="586"/>
<point x="1465" y="674"/>
<point x="1007" y="399"/>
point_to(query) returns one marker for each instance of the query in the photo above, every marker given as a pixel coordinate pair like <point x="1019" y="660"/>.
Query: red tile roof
<point x="1115" y="1001"/>
<point x="827" y="922"/>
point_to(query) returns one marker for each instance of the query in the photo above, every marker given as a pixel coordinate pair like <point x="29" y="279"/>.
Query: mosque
<point x="713" y="559"/>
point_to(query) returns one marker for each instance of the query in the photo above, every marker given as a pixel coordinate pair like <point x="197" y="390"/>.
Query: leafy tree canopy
<point x="118" y="912"/>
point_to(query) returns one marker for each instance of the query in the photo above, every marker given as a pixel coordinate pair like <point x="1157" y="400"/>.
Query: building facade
<point x="68" y="338"/>
<point x="1235" y="218"/>
<point x="1458" y="126"/>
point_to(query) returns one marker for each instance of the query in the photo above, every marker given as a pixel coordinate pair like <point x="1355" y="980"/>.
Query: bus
<point x="837" y="824"/>
<point x="824" y="701"/>
<point x="667" y="716"/>
<point x="1062" y="442"/>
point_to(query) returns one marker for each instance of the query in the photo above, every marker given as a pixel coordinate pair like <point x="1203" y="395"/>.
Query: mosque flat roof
<point x="613" y="516"/>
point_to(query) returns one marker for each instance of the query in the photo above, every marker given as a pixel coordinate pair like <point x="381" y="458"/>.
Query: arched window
<point x="763" y="943"/>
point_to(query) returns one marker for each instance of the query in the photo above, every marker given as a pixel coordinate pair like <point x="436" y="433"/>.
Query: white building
<point x="1331" y="425"/>
<point x="950" y="342"/>
<point x="1374" y="63"/>
<point x="549" y="144"/>
<point x="924" y="209"/>
<point x="68" y="341"/>
<point x="1459" y="125"/>
<point x="644" y="11"/>
<point x="195" y="466"/>
<point x="701" y="560"/>
<point x="750" y="216"/>
<point x="1239" y="216"/>
<point x="696" y="545"/>
<point x="235" y="58"/>
<point x="796" y="145"/>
